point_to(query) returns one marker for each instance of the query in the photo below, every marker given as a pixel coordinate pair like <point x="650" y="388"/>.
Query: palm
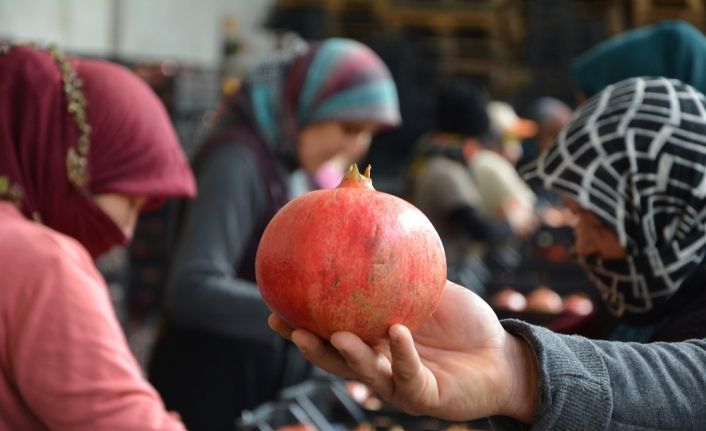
<point x="461" y="322"/>
<point x="459" y="348"/>
<point x="458" y="373"/>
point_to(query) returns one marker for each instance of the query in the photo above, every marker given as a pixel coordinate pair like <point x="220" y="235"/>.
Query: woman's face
<point x="593" y="237"/>
<point x="321" y="141"/>
<point x="123" y="210"/>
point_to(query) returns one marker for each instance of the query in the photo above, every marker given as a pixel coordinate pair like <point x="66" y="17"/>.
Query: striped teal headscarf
<point x="336" y="80"/>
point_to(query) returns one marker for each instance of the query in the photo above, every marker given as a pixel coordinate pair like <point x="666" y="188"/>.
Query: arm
<point x="67" y="354"/>
<point x="603" y="385"/>
<point x="204" y="292"/>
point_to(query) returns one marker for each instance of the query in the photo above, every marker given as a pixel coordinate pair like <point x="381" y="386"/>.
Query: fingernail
<point x="394" y="336"/>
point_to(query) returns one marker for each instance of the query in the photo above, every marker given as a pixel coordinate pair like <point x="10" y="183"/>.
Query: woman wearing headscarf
<point x="85" y="146"/>
<point x="216" y="355"/>
<point x="673" y="49"/>
<point x="631" y="165"/>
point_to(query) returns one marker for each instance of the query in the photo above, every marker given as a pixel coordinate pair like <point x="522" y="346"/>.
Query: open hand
<point x="460" y="365"/>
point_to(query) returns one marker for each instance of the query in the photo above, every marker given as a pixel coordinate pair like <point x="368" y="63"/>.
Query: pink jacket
<point x="64" y="362"/>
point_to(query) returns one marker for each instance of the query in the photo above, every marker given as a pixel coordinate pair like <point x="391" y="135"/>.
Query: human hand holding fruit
<point x="459" y="365"/>
<point x="353" y="270"/>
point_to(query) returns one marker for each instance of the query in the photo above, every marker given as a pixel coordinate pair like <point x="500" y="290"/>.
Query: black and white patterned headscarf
<point x="635" y="155"/>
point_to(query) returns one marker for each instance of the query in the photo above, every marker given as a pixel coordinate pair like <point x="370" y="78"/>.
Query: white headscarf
<point x="635" y="155"/>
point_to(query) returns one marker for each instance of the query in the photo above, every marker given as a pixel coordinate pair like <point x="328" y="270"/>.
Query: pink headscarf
<point x="133" y="149"/>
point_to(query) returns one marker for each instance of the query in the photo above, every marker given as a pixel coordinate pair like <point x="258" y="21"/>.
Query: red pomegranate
<point x="351" y="259"/>
<point x="509" y="299"/>
<point x="544" y="300"/>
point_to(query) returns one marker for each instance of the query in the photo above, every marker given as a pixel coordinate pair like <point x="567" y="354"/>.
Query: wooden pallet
<point x="479" y="38"/>
<point x="646" y="12"/>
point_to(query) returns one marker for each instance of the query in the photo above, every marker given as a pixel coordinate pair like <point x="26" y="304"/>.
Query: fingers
<point x="278" y="325"/>
<point x="347" y="356"/>
<point x="409" y="374"/>
<point x="321" y="354"/>
<point x="371" y="367"/>
<point x="312" y="348"/>
<point x="406" y="365"/>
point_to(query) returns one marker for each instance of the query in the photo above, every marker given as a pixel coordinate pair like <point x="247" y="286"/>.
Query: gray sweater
<point x="602" y="385"/>
<point x="203" y="291"/>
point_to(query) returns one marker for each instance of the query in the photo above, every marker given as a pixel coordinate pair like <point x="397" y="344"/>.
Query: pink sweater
<point x="64" y="362"/>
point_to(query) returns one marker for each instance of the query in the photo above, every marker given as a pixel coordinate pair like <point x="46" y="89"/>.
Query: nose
<point x="364" y="139"/>
<point x="585" y="240"/>
<point x="358" y="144"/>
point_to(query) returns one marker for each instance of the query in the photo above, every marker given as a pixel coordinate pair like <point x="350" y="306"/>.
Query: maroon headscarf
<point x="130" y="144"/>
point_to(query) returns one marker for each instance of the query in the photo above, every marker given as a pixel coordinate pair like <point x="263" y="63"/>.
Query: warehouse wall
<point x="188" y="30"/>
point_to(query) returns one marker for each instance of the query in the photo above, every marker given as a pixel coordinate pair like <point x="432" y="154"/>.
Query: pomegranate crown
<point x="354" y="178"/>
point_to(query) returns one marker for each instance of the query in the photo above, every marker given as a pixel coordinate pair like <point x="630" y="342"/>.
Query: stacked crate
<point x="646" y="12"/>
<point x="483" y="39"/>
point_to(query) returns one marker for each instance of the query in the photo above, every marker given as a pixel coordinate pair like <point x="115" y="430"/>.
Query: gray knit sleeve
<point x="602" y="385"/>
<point x="203" y="290"/>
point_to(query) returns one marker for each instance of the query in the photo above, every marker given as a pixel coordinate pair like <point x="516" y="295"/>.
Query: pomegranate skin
<point x="351" y="259"/>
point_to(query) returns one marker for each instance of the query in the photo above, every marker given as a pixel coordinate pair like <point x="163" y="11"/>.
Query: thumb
<point x="408" y="371"/>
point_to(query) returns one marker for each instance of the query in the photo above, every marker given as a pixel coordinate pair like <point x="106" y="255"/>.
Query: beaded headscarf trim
<point x="76" y="156"/>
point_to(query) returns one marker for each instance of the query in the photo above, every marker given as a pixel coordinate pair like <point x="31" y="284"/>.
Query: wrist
<point x="521" y="399"/>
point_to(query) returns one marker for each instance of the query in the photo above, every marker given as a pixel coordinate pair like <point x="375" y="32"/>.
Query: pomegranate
<point x="297" y="427"/>
<point x="578" y="303"/>
<point x="544" y="300"/>
<point x="509" y="299"/>
<point x="351" y="259"/>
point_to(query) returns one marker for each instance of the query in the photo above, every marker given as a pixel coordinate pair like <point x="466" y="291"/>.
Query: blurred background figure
<point x="503" y="193"/>
<point x="550" y="115"/>
<point x="554" y="234"/>
<point x="215" y="355"/>
<point x="509" y="129"/>
<point x="448" y="182"/>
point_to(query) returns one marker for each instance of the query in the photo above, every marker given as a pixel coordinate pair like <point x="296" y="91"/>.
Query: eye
<point x="137" y="202"/>
<point x="352" y="129"/>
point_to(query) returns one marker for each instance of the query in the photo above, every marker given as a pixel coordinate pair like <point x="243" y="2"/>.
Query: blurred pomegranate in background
<point x="509" y="299"/>
<point x="297" y="427"/>
<point x="544" y="300"/>
<point x="578" y="304"/>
